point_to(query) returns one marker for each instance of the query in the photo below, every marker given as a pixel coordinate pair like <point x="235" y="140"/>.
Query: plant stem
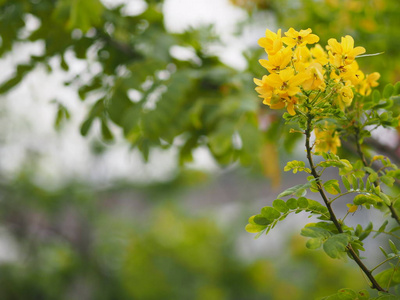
<point x="385" y="261"/>
<point x="393" y="211"/>
<point x="332" y="215"/>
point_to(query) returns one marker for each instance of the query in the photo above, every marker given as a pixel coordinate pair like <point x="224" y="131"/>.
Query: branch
<point x="393" y="211"/>
<point x="333" y="218"/>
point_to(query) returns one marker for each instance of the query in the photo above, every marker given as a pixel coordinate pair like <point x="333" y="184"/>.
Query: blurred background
<point x="133" y="148"/>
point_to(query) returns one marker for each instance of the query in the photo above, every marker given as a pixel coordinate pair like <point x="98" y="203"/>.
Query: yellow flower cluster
<point x="296" y="71"/>
<point x="326" y="139"/>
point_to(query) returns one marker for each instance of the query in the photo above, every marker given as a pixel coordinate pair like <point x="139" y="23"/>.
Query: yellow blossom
<point x="344" y="97"/>
<point x="302" y="55"/>
<point x="278" y="90"/>
<point x="272" y="42"/>
<point x="316" y="78"/>
<point x="286" y="81"/>
<point x="319" y="54"/>
<point x="349" y="73"/>
<point x="277" y="62"/>
<point x="300" y="38"/>
<point x="263" y="88"/>
<point x="343" y="53"/>
<point x="326" y="140"/>
<point x="364" y="88"/>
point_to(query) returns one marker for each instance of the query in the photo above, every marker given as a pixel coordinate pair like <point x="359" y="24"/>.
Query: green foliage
<point x="201" y="102"/>
<point x="270" y="216"/>
<point x="296" y="166"/>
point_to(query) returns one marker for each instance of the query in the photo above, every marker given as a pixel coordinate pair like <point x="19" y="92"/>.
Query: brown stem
<point x="393" y="211"/>
<point x="332" y="215"/>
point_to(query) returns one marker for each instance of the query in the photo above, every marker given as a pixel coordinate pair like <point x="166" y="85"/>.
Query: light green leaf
<point x="346" y="183"/>
<point x="389" y="277"/>
<point x="366" y="198"/>
<point x="314" y="243"/>
<point x="315" y="232"/>
<point x="292" y="203"/>
<point x="335" y="246"/>
<point x="280" y="205"/>
<point x="393" y="247"/>
<point x="270" y="213"/>
<point x="251" y="228"/>
<point x="298" y="190"/>
<point x="302" y="202"/>
<point x="332" y="186"/>
<point x="387" y="180"/>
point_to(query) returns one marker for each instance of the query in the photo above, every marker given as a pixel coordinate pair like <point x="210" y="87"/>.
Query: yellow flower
<point x="277" y="62"/>
<point x="272" y="42"/>
<point x="319" y="54"/>
<point x="302" y="55"/>
<point x="364" y="88"/>
<point x="350" y="73"/>
<point x="316" y="78"/>
<point x="263" y="88"/>
<point x="300" y="38"/>
<point x="344" y="97"/>
<point x="286" y="82"/>
<point x="326" y="140"/>
<point x="274" y="96"/>
<point x="283" y="100"/>
<point x="343" y="53"/>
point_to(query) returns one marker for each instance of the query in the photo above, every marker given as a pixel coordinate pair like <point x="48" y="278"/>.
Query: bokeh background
<point x="133" y="148"/>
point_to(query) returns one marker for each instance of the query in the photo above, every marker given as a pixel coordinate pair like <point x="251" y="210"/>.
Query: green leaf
<point x="381" y="229"/>
<point x="105" y="131"/>
<point x="361" y="181"/>
<point x="296" y="166"/>
<point x="270" y="213"/>
<point x="335" y="246"/>
<point x="389" y="277"/>
<point x="366" y="198"/>
<point x="393" y="247"/>
<point x="82" y="14"/>
<point x="314" y="243"/>
<point x="354" y="182"/>
<point x="388" y="91"/>
<point x="363" y="295"/>
<point x="376" y="96"/>
<point x="384" y="252"/>
<point x="315" y="232"/>
<point x="298" y="190"/>
<point x="302" y="202"/>
<point x="387" y="180"/>
<point x="385" y="198"/>
<point x="373" y="177"/>
<point x="346" y="183"/>
<point x="261" y="220"/>
<point x="332" y="186"/>
<point x="221" y="139"/>
<point x="252" y="228"/>
<point x="347" y="294"/>
<point x="280" y="205"/>
<point x="366" y="231"/>
<point x="292" y="203"/>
